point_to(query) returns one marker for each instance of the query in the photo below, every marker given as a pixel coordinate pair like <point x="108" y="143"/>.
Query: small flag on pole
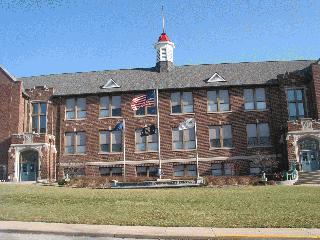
<point x="147" y="99"/>
<point x="118" y="127"/>
<point x="150" y="130"/>
<point x="188" y="123"/>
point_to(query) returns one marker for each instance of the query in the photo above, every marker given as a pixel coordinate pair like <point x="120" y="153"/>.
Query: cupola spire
<point x="164" y="49"/>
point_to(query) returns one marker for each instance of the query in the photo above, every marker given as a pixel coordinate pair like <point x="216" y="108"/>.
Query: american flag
<point x="147" y="99"/>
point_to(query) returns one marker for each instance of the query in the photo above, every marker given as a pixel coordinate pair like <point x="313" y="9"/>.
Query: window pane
<point x="249" y="106"/>
<point x="152" y="110"/>
<point x="104" y="107"/>
<point x="260" y="95"/>
<point x="140" y="142"/>
<point x="105" y="147"/>
<point x="81" y="104"/>
<point x="227" y="135"/>
<point x="82" y="114"/>
<point x="228" y="170"/>
<point x="104" y="171"/>
<point x="191" y="170"/>
<point x="292" y="110"/>
<point x="224" y="96"/>
<point x="35" y="123"/>
<point x="226" y="131"/>
<point x="216" y="169"/>
<point x="104" y="137"/>
<point x="116" y="141"/>
<point x="70" y="115"/>
<point x="264" y="135"/>
<point x="214" y="135"/>
<point x="299" y="94"/>
<point x="252" y="134"/>
<point x="141" y="171"/>
<point x="212" y="101"/>
<point x="70" y="104"/>
<point x="301" y="110"/>
<point x="251" y="130"/>
<point x="104" y="113"/>
<point x="248" y="95"/>
<point x="261" y="105"/>
<point x="81" y="142"/>
<point x="177" y="137"/>
<point x="141" y="111"/>
<point x="179" y="171"/>
<point x="263" y="129"/>
<point x="187" y="102"/>
<point x="116" y="106"/>
<point x="35" y="108"/>
<point x="81" y="108"/>
<point x="290" y="94"/>
<point x="43" y="124"/>
<point x="43" y="108"/>
<point x="175" y="102"/>
<point x="69" y="143"/>
<point x="224" y="107"/>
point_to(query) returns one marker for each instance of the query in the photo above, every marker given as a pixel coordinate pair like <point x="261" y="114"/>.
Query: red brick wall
<point x="238" y="118"/>
<point x="316" y="85"/>
<point x="11" y="112"/>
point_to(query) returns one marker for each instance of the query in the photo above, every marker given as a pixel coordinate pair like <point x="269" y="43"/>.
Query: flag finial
<point x="163" y="29"/>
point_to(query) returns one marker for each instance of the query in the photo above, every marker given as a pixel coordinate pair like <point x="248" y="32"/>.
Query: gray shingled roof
<point x="193" y="76"/>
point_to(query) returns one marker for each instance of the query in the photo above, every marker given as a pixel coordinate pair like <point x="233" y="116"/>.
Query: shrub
<point x="231" y="180"/>
<point x="61" y="182"/>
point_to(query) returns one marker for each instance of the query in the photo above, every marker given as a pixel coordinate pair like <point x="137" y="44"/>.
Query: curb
<point x="149" y="232"/>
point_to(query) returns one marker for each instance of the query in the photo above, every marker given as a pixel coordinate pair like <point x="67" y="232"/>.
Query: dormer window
<point x="216" y="78"/>
<point x="110" y="84"/>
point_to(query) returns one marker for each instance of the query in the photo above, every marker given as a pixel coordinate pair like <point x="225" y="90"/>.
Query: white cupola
<point x="164" y="49"/>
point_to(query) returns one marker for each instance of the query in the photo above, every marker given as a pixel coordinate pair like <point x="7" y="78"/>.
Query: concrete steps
<point x="309" y="178"/>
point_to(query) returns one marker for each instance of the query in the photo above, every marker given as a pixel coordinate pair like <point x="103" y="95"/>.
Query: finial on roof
<point x="163" y="30"/>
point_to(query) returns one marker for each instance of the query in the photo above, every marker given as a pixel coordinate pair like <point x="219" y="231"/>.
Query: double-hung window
<point x="258" y="134"/>
<point x="146" y="143"/>
<point x="147" y="171"/>
<point x="218" y="101"/>
<point x="220" y="136"/>
<point x="76" y="108"/>
<point x="181" y="102"/>
<point x="39" y="117"/>
<point x="110" y="171"/>
<point x="110" y="141"/>
<point x="222" y="169"/>
<point x="185" y="170"/>
<point x="255" y="99"/>
<point x="75" y="143"/>
<point x="296" y="103"/>
<point x="183" y="139"/>
<point x="110" y="106"/>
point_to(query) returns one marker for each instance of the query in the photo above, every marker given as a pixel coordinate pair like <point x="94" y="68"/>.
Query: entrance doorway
<point x="309" y="154"/>
<point x="29" y="165"/>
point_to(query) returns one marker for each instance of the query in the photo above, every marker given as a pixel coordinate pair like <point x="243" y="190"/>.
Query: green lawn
<point x="270" y="206"/>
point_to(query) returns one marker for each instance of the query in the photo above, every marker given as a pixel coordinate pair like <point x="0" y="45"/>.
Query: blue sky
<point x="56" y="36"/>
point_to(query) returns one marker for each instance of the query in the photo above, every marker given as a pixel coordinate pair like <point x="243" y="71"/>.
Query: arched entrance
<point x="309" y="154"/>
<point x="28" y="165"/>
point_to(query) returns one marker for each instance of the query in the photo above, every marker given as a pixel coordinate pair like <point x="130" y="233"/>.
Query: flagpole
<point x="124" y="149"/>
<point x="197" y="156"/>
<point x="158" y="123"/>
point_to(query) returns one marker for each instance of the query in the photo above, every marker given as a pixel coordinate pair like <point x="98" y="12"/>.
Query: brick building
<point x="63" y="124"/>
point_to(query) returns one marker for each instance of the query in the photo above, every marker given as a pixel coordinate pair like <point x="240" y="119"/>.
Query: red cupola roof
<point x="163" y="38"/>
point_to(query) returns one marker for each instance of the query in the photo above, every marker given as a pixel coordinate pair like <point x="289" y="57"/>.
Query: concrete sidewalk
<point x="155" y="232"/>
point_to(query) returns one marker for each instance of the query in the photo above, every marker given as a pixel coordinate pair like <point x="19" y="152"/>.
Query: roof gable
<point x="110" y="84"/>
<point x="216" y="78"/>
